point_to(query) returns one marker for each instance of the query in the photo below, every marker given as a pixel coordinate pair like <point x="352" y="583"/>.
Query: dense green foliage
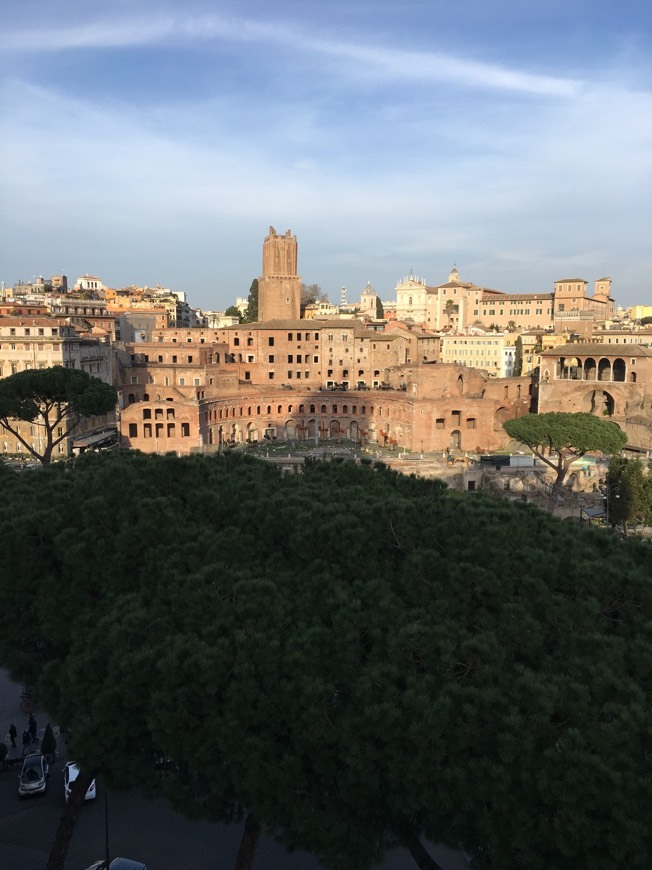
<point x="558" y="439"/>
<point x="55" y="398"/>
<point x="233" y="311"/>
<point x="252" y="303"/>
<point x="357" y="656"/>
<point x="518" y="357"/>
<point x="629" y="493"/>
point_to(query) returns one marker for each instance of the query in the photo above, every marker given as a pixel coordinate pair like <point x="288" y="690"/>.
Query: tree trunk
<point x="63" y="836"/>
<point x="250" y="837"/>
<point x="422" y="859"/>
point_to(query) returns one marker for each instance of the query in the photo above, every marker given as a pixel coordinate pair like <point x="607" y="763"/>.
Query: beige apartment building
<point x="457" y="305"/>
<point x="43" y="342"/>
<point x="494" y="352"/>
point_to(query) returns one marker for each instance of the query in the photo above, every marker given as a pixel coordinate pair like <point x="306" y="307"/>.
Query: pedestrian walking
<point x="31" y="727"/>
<point x="12" y="734"/>
<point x="27" y="739"/>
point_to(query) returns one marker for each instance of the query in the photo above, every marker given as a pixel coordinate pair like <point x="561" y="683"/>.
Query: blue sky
<point x="152" y="142"/>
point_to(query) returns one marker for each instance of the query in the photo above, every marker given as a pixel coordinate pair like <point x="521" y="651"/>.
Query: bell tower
<point x="279" y="296"/>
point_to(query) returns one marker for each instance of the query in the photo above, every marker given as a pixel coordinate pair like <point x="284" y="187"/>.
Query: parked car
<point x="70" y="774"/>
<point x="34" y="776"/>
<point x="118" y="864"/>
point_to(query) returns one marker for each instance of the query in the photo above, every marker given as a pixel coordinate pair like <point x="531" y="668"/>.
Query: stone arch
<point x="619" y="370"/>
<point x="312" y="427"/>
<point x="460" y="384"/>
<point x="334" y="429"/>
<point x="632" y="377"/>
<point x="604" y="370"/>
<point x="599" y="402"/>
<point x="501" y="416"/>
<point x="252" y="432"/>
<point x="354" y="431"/>
<point x="590" y="369"/>
<point x="291" y="430"/>
<point x="456" y="440"/>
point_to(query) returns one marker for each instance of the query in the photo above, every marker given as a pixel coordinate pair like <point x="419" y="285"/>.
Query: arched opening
<point x="500" y="417"/>
<point x="604" y="370"/>
<point x="312" y="428"/>
<point x="132" y="398"/>
<point x="590" y="369"/>
<point x="632" y="377"/>
<point x="460" y="385"/>
<point x="619" y="370"/>
<point x="599" y="402"/>
<point x="291" y="430"/>
<point x="456" y="440"/>
<point x="252" y="433"/>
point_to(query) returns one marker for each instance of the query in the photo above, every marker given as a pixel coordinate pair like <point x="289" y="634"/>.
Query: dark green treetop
<point x="370" y="659"/>
<point x="251" y="315"/>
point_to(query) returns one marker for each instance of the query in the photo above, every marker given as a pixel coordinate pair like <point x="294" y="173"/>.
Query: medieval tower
<point x="279" y="296"/>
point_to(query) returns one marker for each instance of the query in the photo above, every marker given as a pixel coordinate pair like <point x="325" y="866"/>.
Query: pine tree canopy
<point x="369" y="658"/>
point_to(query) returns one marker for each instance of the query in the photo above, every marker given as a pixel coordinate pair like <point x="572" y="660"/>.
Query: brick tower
<point x="279" y="296"/>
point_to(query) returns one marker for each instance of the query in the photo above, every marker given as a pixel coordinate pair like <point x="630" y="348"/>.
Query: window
<point x="270" y="376"/>
<point x="236" y="342"/>
<point x="290" y="358"/>
<point x="439" y="423"/>
<point x="185" y="430"/>
<point x="270" y="341"/>
<point x="171" y="430"/>
<point x="147" y="430"/>
<point x="174" y="358"/>
<point x="147" y="414"/>
<point x="290" y="336"/>
<point x="470" y="423"/>
<point x="270" y="358"/>
<point x="247" y="376"/>
<point x="182" y="382"/>
<point x="189" y="359"/>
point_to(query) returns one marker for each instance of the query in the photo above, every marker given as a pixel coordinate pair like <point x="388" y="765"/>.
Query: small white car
<point x="34" y="776"/>
<point x="70" y="774"/>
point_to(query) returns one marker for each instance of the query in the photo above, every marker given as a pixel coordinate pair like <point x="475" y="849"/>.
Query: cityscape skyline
<point x="149" y="145"/>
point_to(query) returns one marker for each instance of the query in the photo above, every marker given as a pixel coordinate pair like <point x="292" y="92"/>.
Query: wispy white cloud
<point x="363" y="59"/>
<point x="381" y="158"/>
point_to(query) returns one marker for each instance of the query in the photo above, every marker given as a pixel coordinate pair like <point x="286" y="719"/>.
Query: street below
<point x="148" y="831"/>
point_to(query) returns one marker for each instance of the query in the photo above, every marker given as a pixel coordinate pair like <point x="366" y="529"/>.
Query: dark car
<point x="34" y="776"/>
